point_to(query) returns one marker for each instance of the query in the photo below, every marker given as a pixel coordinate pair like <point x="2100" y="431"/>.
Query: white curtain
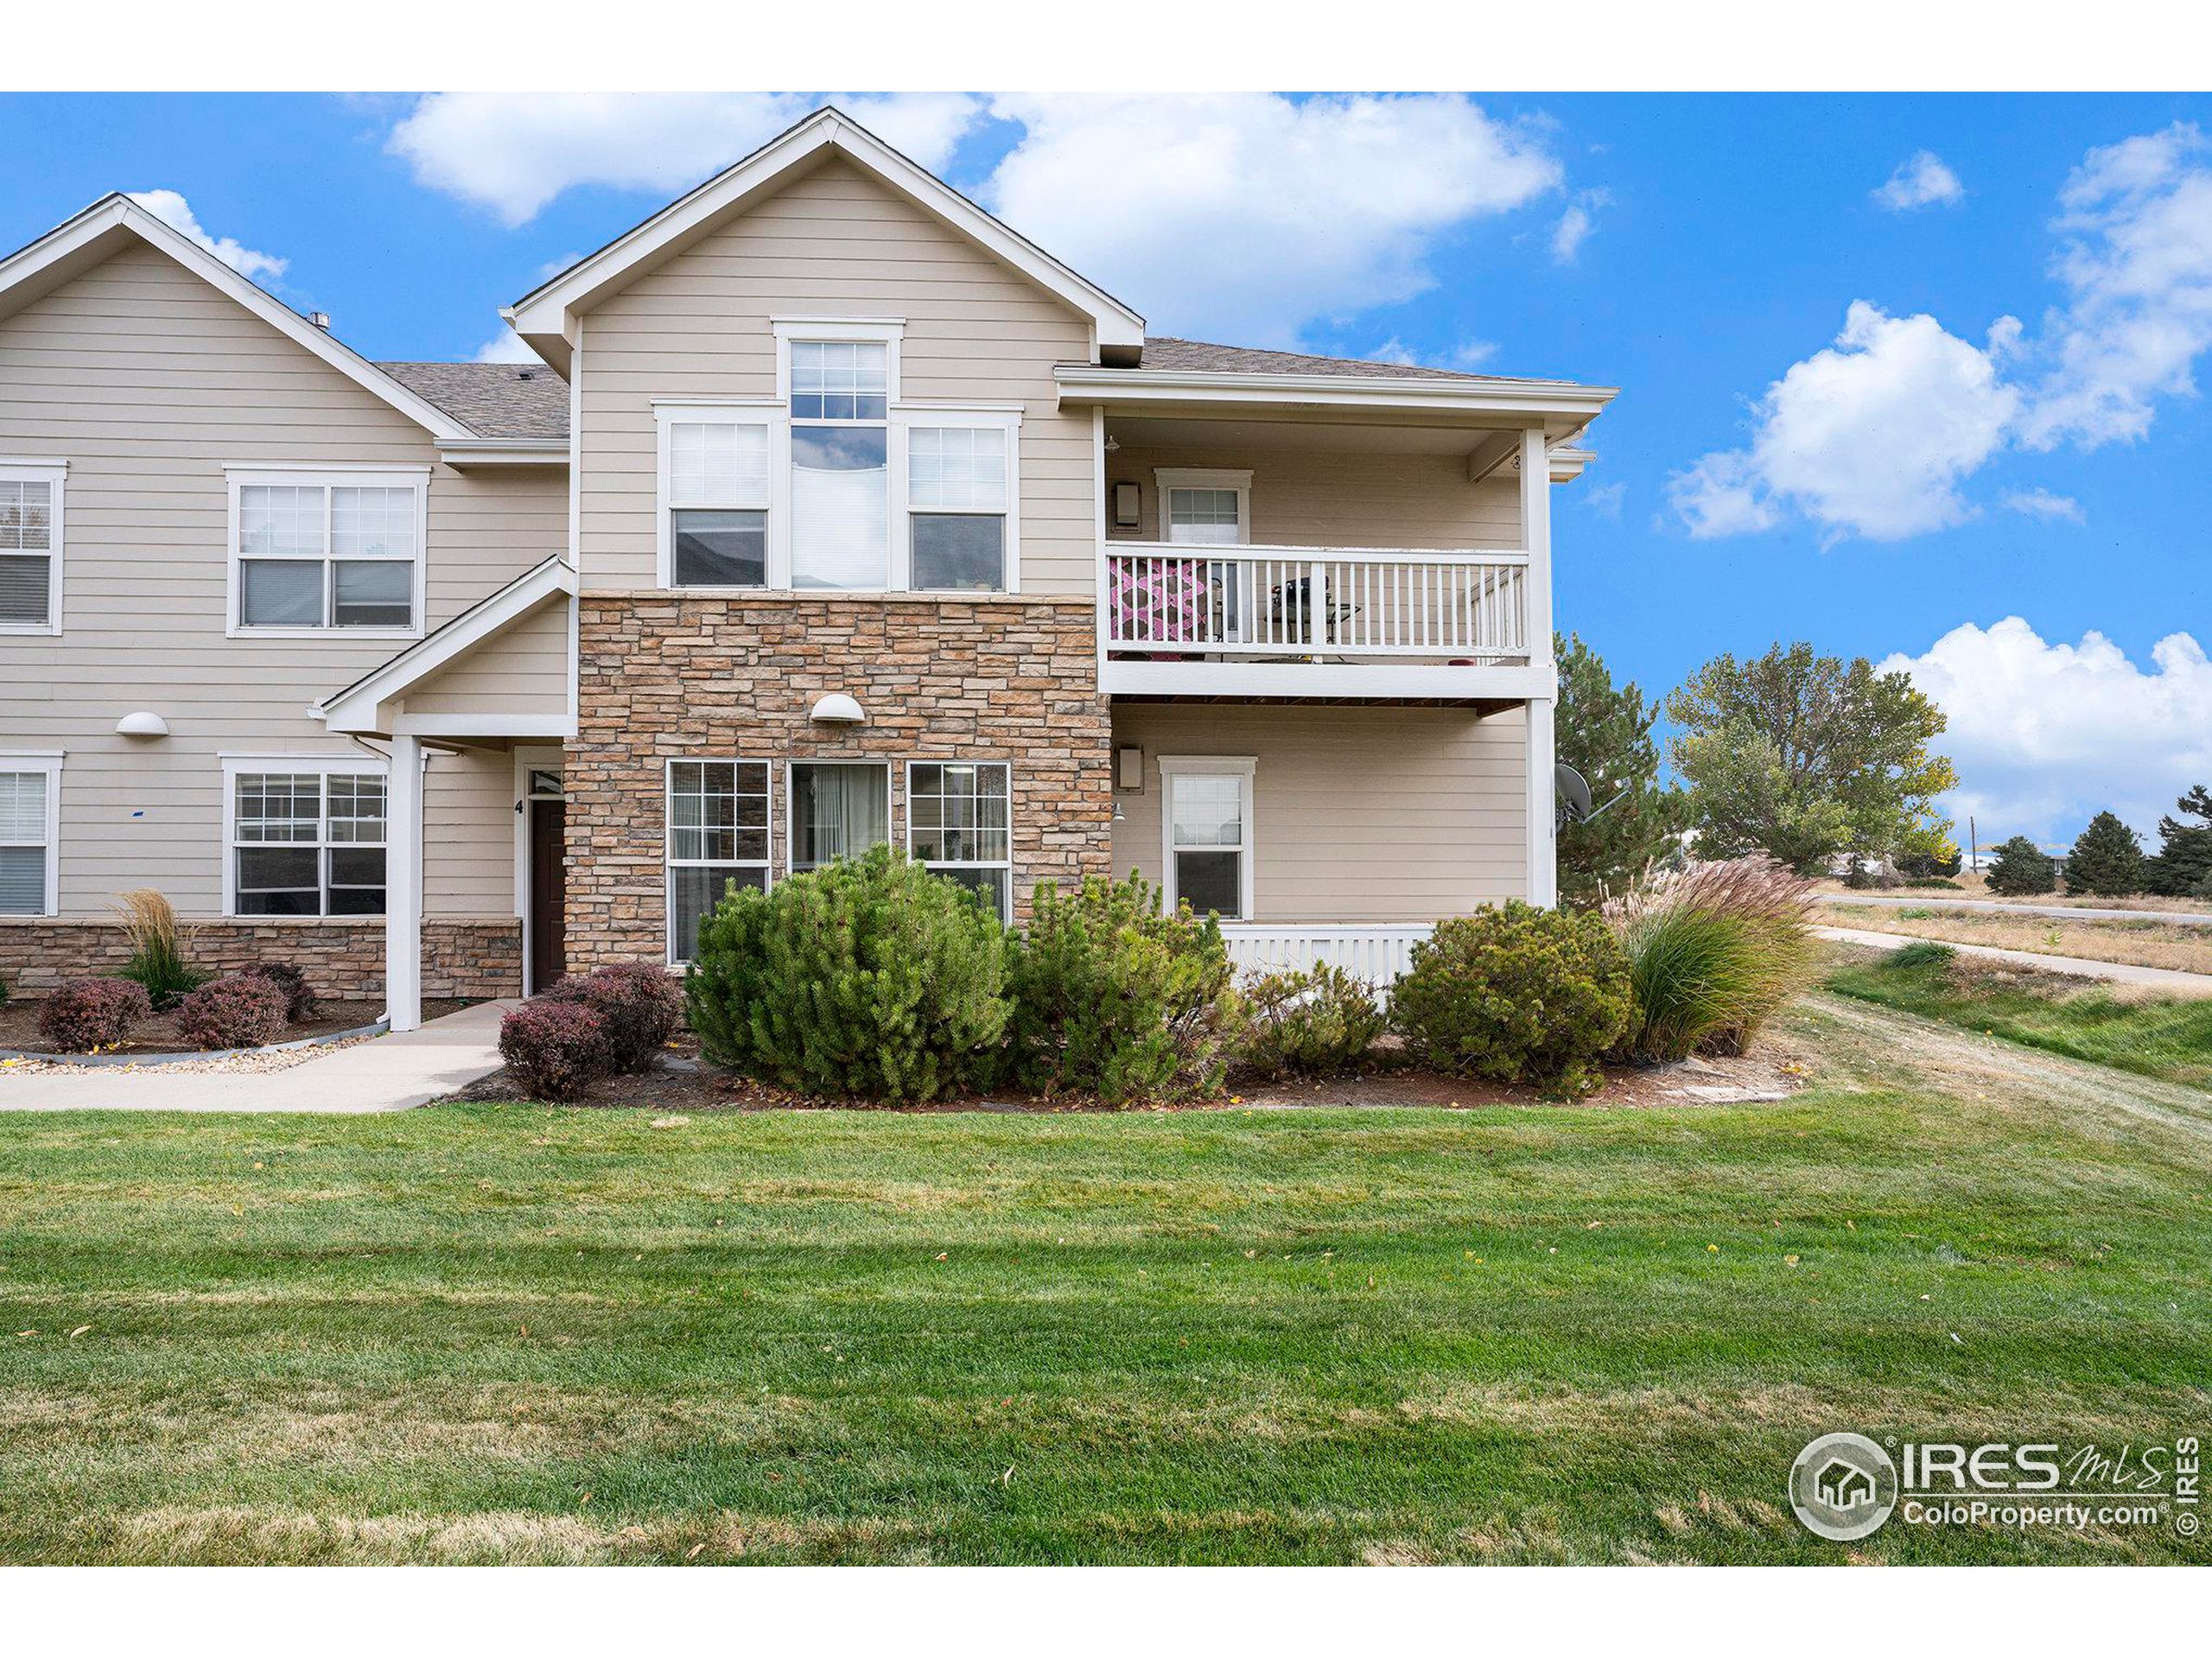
<point x="841" y="522"/>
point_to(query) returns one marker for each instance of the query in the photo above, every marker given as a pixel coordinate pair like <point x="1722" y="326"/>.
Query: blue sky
<point x="1939" y="469"/>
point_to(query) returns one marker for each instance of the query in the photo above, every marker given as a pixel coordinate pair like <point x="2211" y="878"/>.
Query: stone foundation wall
<point x="681" y="678"/>
<point x="460" y="958"/>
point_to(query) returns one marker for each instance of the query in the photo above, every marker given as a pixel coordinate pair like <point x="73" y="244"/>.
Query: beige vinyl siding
<point x="147" y="382"/>
<point x="1359" y="814"/>
<point x="522" y="669"/>
<point x="832" y="243"/>
<point x="1320" y="497"/>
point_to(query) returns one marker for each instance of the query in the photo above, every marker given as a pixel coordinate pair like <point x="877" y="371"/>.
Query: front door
<point x="548" y="895"/>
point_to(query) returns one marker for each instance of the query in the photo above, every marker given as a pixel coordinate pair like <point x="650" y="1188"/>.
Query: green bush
<point x="1114" y="999"/>
<point x="1316" y="1022"/>
<point x="2021" y="868"/>
<point x="2108" y="859"/>
<point x="1516" y="995"/>
<point x="1921" y="953"/>
<point x="870" y="978"/>
<point x="1713" y="949"/>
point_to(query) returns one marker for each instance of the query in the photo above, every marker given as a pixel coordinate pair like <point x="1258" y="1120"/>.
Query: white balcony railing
<point x="1345" y="604"/>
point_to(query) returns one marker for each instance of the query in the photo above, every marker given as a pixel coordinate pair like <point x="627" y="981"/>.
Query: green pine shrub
<point x="871" y="978"/>
<point x="1314" y="1021"/>
<point x="2021" y="869"/>
<point x="1114" y="999"/>
<point x="1713" y="949"/>
<point x="2108" y="859"/>
<point x="1518" y="994"/>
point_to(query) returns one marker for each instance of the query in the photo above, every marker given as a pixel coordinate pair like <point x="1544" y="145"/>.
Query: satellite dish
<point x="1571" y="794"/>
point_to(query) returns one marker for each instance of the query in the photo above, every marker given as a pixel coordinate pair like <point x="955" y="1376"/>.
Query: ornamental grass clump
<point x="1516" y="995"/>
<point x="1714" y="949"/>
<point x="1115" y="999"/>
<point x="157" y="948"/>
<point x="84" y="1015"/>
<point x="237" y="1011"/>
<point x="1314" y="1021"/>
<point x="871" y="978"/>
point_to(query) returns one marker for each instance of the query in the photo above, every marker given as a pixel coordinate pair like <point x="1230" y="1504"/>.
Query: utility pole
<point x="1973" y="845"/>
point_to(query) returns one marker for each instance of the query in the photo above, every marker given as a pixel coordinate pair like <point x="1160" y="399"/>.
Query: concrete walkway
<point x="2170" y="981"/>
<point x="2001" y="907"/>
<point x="385" y="1074"/>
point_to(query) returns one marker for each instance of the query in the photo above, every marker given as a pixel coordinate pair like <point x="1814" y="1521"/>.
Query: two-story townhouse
<point x="843" y="515"/>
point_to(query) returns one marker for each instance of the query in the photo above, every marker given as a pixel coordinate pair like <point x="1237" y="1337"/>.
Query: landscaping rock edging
<point x="375" y="1028"/>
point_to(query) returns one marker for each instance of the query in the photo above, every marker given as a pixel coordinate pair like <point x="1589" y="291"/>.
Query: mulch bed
<point x="682" y="1084"/>
<point x="19" y="1027"/>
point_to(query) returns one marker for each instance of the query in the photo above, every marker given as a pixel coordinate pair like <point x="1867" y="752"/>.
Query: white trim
<point x="670" y="413"/>
<point x="1242" y="768"/>
<point x="668" y="860"/>
<point x="529" y="758"/>
<point x="78" y="244"/>
<point x="402" y="884"/>
<point x="326" y="766"/>
<point x="353" y="708"/>
<point x="955" y="417"/>
<point x="549" y="312"/>
<point x="1005" y="907"/>
<point x="1563" y="402"/>
<point x="504" y="452"/>
<point x="238" y="476"/>
<point x="1542" y="853"/>
<point x="575" y="464"/>
<point x="1471" y="682"/>
<point x="54" y="474"/>
<point x="461" y="725"/>
<point x="1238" y="482"/>
<point x="49" y="764"/>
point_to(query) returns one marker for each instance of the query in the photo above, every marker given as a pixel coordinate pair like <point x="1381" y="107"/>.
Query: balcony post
<point x="403" y="894"/>
<point x="1537" y="536"/>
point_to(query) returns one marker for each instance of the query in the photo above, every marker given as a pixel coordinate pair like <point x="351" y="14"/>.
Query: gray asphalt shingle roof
<point x="1198" y="356"/>
<point x="497" y="400"/>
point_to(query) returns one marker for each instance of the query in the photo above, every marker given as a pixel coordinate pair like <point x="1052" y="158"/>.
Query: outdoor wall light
<point x="836" y="709"/>
<point x="144" y="724"/>
<point x="1126" y="498"/>
<point x="1128" y="768"/>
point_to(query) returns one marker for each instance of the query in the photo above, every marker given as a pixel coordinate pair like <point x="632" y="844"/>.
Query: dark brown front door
<point x="549" y="895"/>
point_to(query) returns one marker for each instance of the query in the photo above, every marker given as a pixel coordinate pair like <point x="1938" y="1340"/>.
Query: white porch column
<point x="1536" y="539"/>
<point x="402" y="896"/>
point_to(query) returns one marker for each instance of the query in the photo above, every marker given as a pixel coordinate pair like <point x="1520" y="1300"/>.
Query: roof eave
<point x="1085" y="385"/>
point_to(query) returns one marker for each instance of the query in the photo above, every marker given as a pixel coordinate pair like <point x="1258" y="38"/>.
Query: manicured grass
<point x="2170" y="1038"/>
<point x="1573" y="1334"/>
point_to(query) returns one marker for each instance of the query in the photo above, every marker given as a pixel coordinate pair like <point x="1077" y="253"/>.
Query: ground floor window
<point x="718" y="831"/>
<point x="958" y="824"/>
<point x="306" y="843"/>
<point x="28" y="792"/>
<point x="839" y="810"/>
<point x="1208" y="822"/>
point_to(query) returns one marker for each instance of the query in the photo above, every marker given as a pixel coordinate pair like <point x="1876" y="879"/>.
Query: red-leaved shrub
<point x="237" y="1011"/>
<point x="641" y="1002"/>
<point x="300" y="1002"/>
<point x="84" y="1015"/>
<point x="554" y="1048"/>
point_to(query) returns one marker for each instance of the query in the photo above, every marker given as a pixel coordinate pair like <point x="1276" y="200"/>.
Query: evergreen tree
<point x="2108" y="859"/>
<point x="2185" y="861"/>
<point x="2021" y="867"/>
<point x="1605" y="733"/>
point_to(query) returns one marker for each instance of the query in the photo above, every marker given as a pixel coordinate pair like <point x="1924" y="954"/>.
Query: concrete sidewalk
<point x="2170" y="981"/>
<point x="385" y="1074"/>
<point x="2004" y="907"/>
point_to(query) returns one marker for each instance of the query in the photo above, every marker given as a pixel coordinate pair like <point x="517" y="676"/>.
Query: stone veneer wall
<point x="667" y="677"/>
<point x="460" y="958"/>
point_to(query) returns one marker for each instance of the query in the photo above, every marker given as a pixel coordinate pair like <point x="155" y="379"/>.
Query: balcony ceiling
<point x="1184" y="432"/>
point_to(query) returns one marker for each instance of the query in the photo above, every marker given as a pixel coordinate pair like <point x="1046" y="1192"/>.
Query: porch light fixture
<point x="144" y="724"/>
<point x="1128" y="768"/>
<point x="1125" y="506"/>
<point x="836" y="709"/>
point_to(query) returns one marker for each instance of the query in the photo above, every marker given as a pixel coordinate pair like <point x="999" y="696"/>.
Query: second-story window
<point x="841" y="464"/>
<point x="30" y="548"/>
<point x="957" y="506"/>
<point x="718" y="504"/>
<point x="342" y="552"/>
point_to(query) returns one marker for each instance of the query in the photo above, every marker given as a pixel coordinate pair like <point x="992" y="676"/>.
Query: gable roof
<point x="78" y="245"/>
<point x="496" y="400"/>
<point x="545" y="317"/>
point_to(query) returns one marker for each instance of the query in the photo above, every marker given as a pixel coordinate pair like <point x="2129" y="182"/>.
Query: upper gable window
<point x="840" y="379"/>
<point x="315" y="553"/>
<point x="30" y="547"/>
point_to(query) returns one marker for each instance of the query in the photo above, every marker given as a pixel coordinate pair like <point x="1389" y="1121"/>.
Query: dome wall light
<point x="837" y="709"/>
<point x="144" y="724"/>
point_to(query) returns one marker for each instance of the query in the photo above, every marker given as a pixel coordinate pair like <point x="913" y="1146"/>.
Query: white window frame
<point x="668" y="862"/>
<point x="48" y="763"/>
<point x="54" y="474"/>
<point x="902" y="414"/>
<point x="327" y="476"/>
<point x="1242" y="768"/>
<point x="790" y="798"/>
<point x="326" y="767"/>
<point x="1005" y="907"/>
<point x="1204" y="478"/>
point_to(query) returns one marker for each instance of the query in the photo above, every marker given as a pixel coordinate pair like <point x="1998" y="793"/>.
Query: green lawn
<point x="2170" y="1038"/>
<point x="512" y="1334"/>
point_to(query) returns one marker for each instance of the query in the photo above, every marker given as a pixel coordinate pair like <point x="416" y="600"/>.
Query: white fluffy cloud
<point x="1869" y="437"/>
<point x="505" y="346"/>
<point x="2041" y="504"/>
<point x="175" y="212"/>
<point x="513" y="152"/>
<point x="1247" y="216"/>
<point x="1922" y="181"/>
<point x="2044" y="735"/>
<point x="2138" y="262"/>
<point x="1577" y="225"/>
